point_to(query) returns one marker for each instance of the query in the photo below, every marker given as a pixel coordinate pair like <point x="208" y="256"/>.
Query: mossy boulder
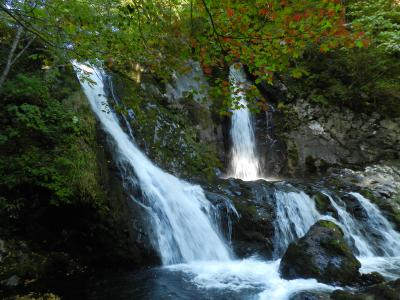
<point x="323" y="204"/>
<point x="321" y="254"/>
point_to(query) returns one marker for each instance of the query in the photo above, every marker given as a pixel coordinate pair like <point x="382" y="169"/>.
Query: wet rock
<point x="372" y="278"/>
<point x="2" y="249"/>
<point x="36" y="296"/>
<point x="253" y="229"/>
<point x="12" y="281"/>
<point x="381" y="291"/>
<point x="379" y="183"/>
<point x="322" y="254"/>
<point x="323" y="204"/>
<point x="310" y="296"/>
<point x="346" y="295"/>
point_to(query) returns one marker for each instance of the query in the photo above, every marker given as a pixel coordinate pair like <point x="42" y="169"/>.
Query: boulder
<point x="321" y="254"/>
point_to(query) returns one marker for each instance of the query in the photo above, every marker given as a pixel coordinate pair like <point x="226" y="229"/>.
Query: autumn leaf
<point x="230" y="12"/>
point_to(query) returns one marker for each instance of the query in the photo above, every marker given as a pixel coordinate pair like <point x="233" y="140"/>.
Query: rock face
<point x="320" y="137"/>
<point x="121" y="236"/>
<point x="252" y="229"/>
<point x="380" y="183"/>
<point x="175" y="124"/>
<point x="322" y="254"/>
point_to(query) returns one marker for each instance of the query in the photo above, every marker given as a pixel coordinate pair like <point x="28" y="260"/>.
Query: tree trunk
<point x="10" y="56"/>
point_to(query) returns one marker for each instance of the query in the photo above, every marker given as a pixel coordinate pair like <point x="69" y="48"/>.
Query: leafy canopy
<point x="157" y="36"/>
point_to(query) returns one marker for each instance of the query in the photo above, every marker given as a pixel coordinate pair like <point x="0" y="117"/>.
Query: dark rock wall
<point x="317" y="138"/>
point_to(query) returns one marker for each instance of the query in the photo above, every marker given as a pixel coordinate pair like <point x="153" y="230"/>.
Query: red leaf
<point x="207" y="70"/>
<point x="297" y="17"/>
<point x="230" y="12"/>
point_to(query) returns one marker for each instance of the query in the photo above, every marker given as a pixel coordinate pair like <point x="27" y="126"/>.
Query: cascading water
<point x="295" y="214"/>
<point x="372" y="235"/>
<point x="245" y="164"/>
<point x="184" y="231"/>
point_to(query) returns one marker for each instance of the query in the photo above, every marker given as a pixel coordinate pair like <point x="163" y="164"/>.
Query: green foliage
<point x="366" y="79"/>
<point x="25" y="87"/>
<point x="47" y="146"/>
<point x="379" y="20"/>
<point x="159" y="36"/>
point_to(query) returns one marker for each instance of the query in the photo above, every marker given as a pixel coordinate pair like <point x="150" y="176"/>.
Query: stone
<point x="321" y="254"/>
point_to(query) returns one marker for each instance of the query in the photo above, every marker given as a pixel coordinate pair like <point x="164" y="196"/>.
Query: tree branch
<point x="23" y="50"/>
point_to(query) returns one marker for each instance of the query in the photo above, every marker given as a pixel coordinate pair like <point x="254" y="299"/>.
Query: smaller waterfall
<point x="351" y="228"/>
<point x="244" y="161"/>
<point x="372" y="235"/>
<point x="295" y="214"/>
<point x="378" y="227"/>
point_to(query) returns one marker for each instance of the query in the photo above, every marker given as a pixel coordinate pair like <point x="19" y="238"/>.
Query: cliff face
<point x="317" y="138"/>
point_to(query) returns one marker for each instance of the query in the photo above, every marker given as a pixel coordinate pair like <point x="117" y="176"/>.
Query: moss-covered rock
<point x="323" y="204"/>
<point x="322" y="254"/>
<point x="178" y="133"/>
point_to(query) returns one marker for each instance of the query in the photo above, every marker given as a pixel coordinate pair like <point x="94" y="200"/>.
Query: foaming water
<point x="245" y="164"/>
<point x="389" y="267"/>
<point x="258" y="278"/>
<point x="180" y="211"/>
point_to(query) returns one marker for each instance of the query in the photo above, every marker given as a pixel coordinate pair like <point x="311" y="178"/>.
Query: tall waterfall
<point x="180" y="211"/>
<point x="244" y="161"/>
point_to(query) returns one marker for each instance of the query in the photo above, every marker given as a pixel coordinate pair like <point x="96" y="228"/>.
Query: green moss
<point x="321" y="202"/>
<point x="171" y="133"/>
<point x="292" y="155"/>
<point x="328" y="224"/>
<point x="250" y="210"/>
<point x="335" y="246"/>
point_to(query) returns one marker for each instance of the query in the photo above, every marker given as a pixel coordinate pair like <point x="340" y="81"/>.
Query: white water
<point x="180" y="211"/>
<point x="245" y="164"/>
<point x="184" y="231"/>
<point x="373" y="235"/>
<point x="249" y="275"/>
<point x="295" y="214"/>
<point x="388" y="239"/>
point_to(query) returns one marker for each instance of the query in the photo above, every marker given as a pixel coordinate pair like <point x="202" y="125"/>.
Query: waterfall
<point x="244" y="161"/>
<point x="372" y="235"/>
<point x="180" y="211"/>
<point x="388" y="240"/>
<point x="295" y="214"/>
<point x="185" y="224"/>
<point x="188" y="241"/>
